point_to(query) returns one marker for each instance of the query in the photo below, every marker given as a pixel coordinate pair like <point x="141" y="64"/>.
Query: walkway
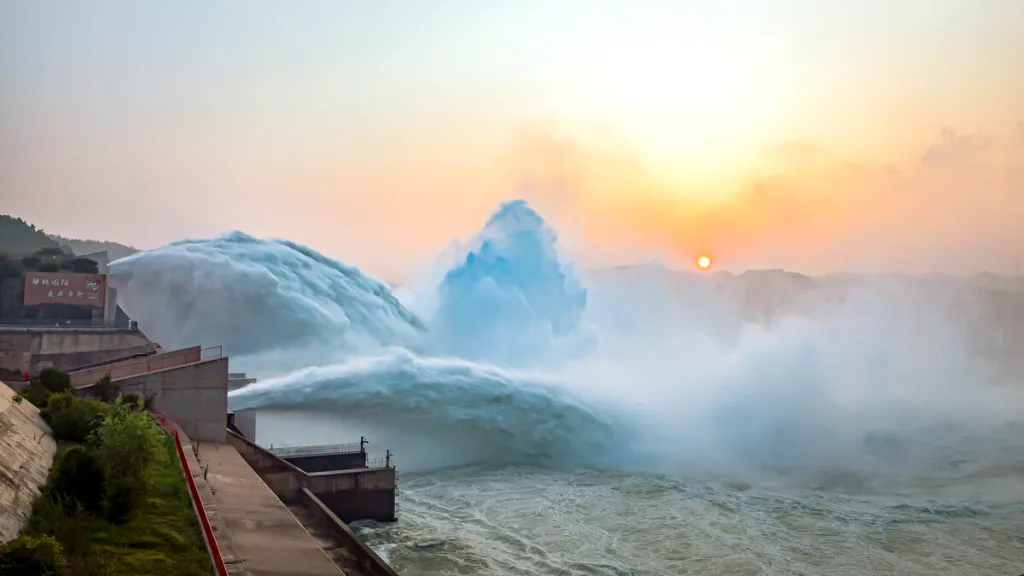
<point x="263" y="537"/>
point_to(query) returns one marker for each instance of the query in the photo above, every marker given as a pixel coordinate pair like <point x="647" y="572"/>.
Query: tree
<point x="49" y="265"/>
<point x="105" y="390"/>
<point x="53" y="380"/>
<point x="84" y="266"/>
<point x="77" y="479"/>
<point x="128" y="443"/>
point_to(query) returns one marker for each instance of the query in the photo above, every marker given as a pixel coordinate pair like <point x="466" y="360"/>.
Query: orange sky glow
<point x="862" y="136"/>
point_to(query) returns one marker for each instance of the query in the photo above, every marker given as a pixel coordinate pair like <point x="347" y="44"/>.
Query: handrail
<point x="197" y="502"/>
<point x="292" y="451"/>
<point x="380" y="463"/>
<point x="159" y="362"/>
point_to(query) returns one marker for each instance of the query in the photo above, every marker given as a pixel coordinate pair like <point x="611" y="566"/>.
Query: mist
<point x="504" y="353"/>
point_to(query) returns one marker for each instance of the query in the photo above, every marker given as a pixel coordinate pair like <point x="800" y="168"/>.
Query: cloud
<point x="954" y="147"/>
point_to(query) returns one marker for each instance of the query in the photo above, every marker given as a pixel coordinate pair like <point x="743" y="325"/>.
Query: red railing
<point x="211" y="541"/>
<point x="160" y="362"/>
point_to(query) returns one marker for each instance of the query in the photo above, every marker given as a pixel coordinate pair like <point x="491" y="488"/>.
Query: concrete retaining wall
<point x="284" y="479"/>
<point x="121" y="368"/>
<point x="27" y="449"/>
<point x="32" y="349"/>
<point x="195" y="396"/>
<point x="360" y="494"/>
<point x="328" y="462"/>
<point x="369" y="561"/>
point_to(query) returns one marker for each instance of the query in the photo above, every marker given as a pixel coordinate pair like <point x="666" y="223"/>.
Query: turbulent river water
<point x="628" y="421"/>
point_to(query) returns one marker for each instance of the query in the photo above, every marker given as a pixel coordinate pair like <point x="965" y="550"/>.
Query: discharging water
<point x="628" y="421"/>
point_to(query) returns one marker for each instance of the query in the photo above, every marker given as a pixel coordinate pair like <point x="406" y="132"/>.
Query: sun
<point x="704" y="262"/>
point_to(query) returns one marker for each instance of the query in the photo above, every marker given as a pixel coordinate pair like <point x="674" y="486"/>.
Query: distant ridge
<point x="19" y="238"/>
<point x="80" y="247"/>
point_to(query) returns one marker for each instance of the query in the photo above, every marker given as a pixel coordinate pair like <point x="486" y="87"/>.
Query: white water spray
<point x="511" y="359"/>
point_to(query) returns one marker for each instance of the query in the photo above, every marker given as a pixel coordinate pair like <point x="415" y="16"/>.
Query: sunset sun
<point x="704" y="262"/>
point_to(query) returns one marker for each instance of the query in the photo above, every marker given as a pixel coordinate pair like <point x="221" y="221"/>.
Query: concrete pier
<point x="366" y="492"/>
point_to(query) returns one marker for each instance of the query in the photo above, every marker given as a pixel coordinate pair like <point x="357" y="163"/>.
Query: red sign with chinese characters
<point x="57" y="288"/>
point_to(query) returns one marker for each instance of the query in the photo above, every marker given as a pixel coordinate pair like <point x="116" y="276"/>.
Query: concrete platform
<point x="264" y="537"/>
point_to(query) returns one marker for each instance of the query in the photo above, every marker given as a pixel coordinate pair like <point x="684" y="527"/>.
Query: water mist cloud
<point x="252" y="295"/>
<point x="645" y="367"/>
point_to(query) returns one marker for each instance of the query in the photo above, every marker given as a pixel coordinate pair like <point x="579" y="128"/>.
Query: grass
<point x="162" y="537"/>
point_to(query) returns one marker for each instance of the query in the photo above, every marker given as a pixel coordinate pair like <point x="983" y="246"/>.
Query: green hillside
<point x="19" y="238"/>
<point x="80" y="247"/>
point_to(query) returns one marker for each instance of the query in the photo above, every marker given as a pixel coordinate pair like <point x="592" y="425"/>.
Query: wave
<point x="513" y="356"/>
<point x="252" y="295"/>
<point x="512" y="295"/>
<point x="503" y="415"/>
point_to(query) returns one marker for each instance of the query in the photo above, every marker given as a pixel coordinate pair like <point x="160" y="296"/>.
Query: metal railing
<point x="216" y="558"/>
<point x="211" y="352"/>
<point x="160" y="362"/>
<point x="54" y="322"/>
<point x="380" y="462"/>
<point x="322" y="450"/>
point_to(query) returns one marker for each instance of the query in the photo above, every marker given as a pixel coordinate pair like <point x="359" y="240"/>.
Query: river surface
<point x="520" y="520"/>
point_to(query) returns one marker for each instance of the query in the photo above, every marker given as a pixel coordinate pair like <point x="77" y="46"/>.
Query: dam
<point x="262" y="512"/>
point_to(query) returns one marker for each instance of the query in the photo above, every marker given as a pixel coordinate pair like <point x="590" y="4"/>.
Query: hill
<point x="19" y="238"/>
<point x="80" y="247"/>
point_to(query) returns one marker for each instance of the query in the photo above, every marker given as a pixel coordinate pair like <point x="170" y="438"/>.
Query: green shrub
<point x="133" y="400"/>
<point x="41" y="386"/>
<point x="105" y="390"/>
<point x="78" y="479"/>
<point x="65" y="520"/>
<point x="36" y="395"/>
<point x="30" y="262"/>
<point x="50" y="252"/>
<point x="53" y="380"/>
<point x="49" y="265"/>
<point x="72" y="418"/>
<point x="8" y="268"/>
<point x="128" y="444"/>
<point x="27" y="556"/>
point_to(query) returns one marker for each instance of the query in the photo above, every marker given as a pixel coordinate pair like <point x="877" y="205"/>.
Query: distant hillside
<point x="19" y="238"/>
<point x="81" y="247"/>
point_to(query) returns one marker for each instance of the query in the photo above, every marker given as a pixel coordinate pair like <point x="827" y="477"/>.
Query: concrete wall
<point x="328" y="462"/>
<point x="32" y="349"/>
<point x="27" y="449"/>
<point x="367" y="494"/>
<point x="195" y="396"/>
<point x="110" y="307"/>
<point x="244" y="423"/>
<point x="369" y="562"/>
<point x="127" y="367"/>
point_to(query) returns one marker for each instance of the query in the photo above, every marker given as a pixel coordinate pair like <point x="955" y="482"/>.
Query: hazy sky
<point x="813" y="135"/>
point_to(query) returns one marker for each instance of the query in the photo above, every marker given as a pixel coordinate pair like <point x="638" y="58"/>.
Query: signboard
<point x="58" y="288"/>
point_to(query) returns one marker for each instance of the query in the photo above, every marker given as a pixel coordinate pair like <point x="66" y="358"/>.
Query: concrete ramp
<point x="265" y="536"/>
<point x="27" y="448"/>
